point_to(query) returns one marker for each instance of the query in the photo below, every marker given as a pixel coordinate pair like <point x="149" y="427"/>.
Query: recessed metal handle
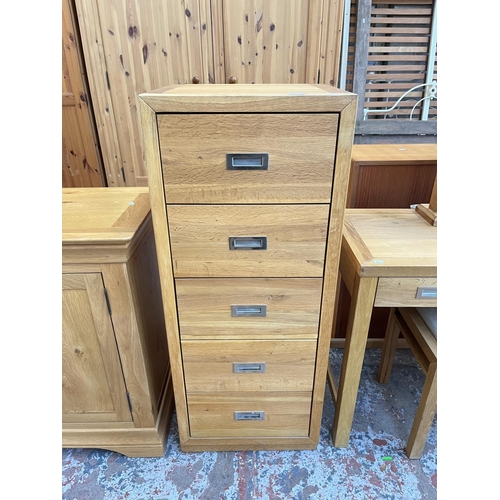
<point x="247" y="161"/>
<point x="427" y="292"/>
<point x="248" y="311"/>
<point x="249" y="367"/>
<point x="248" y="243"/>
<point x="249" y="415"/>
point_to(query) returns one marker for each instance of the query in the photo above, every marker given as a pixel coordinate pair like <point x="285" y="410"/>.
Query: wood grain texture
<point x="295" y="247"/>
<point x="199" y="228"/>
<point x="331" y="271"/>
<point x="285" y="414"/>
<point x="142" y="269"/>
<point x="301" y="150"/>
<point x="162" y="241"/>
<point x="128" y="335"/>
<point x="208" y="365"/>
<point x="102" y="215"/>
<point x="331" y="41"/>
<point x="402" y="154"/>
<point x="263" y="98"/>
<point x="204" y="307"/>
<point x="127" y="296"/>
<point x="413" y="242"/>
<point x="357" y="333"/>
<point x="140" y="46"/>
<point x="96" y="60"/>
<point x="271" y="41"/>
<point x="401" y="292"/>
<point x="81" y="159"/>
<point x="391" y="175"/>
<point x="93" y="386"/>
<point x="103" y="225"/>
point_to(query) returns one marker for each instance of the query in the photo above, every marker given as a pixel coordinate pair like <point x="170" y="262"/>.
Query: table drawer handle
<point x="237" y="311"/>
<point x="249" y="415"/>
<point x="249" y="367"/>
<point x="427" y="292"/>
<point x="248" y="243"/>
<point x="247" y="161"/>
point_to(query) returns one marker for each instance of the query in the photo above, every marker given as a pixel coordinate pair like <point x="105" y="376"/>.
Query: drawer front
<point x="300" y="151"/>
<point x="249" y="414"/>
<point x="406" y="292"/>
<point x="290" y="240"/>
<point x="240" y="365"/>
<point x="246" y="308"/>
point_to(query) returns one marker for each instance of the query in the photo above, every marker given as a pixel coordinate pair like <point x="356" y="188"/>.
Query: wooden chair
<point x="419" y="328"/>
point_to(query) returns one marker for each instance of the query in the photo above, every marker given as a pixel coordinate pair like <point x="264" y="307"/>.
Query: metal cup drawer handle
<point x="249" y="367"/>
<point x="240" y="311"/>
<point x="426" y="292"/>
<point x="248" y="243"/>
<point x="247" y="161"/>
<point x="249" y="415"/>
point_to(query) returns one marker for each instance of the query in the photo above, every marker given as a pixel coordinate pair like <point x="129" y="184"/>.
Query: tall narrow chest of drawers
<point x="248" y="187"/>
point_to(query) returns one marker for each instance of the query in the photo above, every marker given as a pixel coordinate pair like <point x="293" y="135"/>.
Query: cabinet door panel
<point x="272" y="41"/>
<point x="93" y="386"/>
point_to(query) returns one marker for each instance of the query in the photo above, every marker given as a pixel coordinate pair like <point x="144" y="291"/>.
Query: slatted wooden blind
<point x="389" y="45"/>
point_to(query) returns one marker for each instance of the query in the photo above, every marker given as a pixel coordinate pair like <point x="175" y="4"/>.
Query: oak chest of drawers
<point x="248" y="186"/>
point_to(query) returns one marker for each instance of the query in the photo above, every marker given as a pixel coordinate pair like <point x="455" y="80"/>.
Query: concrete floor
<point x="372" y="467"/>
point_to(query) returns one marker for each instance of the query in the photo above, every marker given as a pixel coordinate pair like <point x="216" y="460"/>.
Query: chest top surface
<point x="263" y="98"/>
<point x="93" y="216"/>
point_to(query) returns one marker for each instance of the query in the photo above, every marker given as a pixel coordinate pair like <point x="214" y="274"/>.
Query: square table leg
<point x="362" y="299"/>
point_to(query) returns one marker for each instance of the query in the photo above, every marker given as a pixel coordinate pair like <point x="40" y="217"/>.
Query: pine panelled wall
<point x="133" y="46"/>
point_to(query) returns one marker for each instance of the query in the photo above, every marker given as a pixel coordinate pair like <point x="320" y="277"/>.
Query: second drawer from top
<point x="248" y="240"/>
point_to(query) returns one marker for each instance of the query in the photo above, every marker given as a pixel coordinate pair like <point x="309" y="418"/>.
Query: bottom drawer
<point x="279" y="414"/>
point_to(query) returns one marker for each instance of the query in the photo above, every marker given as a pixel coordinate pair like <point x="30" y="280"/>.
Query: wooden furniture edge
<point x="164" y="258"/>
<point x="248" y="444"/>
<point x="332" y="259"/>
<point x="131" y="442"/>
<point x="163" y="102"/>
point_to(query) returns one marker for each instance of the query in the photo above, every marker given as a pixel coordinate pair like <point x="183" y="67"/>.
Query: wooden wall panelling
<point x="95" y="60"/>
<point x="134" y="47"/>
<point x="331" y="41"/>
<point x="270" y="41"/>
<point x="81" y="159"/>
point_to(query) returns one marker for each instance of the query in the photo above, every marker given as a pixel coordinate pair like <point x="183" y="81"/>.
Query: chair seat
<point x="429" y="315"/>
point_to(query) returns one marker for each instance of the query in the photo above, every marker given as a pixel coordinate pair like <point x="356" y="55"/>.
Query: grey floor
<point x="373" y="466"/>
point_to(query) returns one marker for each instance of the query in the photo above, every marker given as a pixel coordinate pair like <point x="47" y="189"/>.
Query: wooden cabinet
<point x="137" y="46"/>
<point x="391" y="175"/>
<point x="117" y="392"/>
<point x="248" y="186"/>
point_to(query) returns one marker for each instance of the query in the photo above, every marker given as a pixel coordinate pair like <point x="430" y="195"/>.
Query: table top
<point x="398" y="153"/>
<point x="389" y="242"/>
<point x="103" y="216"/>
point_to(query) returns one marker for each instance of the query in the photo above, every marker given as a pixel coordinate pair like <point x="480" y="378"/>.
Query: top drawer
<point x="300" y="149"/>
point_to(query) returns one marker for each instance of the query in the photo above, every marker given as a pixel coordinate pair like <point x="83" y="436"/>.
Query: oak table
<point x="388" y="259"/>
